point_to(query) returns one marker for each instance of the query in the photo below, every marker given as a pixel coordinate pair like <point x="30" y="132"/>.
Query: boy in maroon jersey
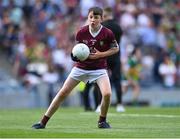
<point x="102" y="44"/>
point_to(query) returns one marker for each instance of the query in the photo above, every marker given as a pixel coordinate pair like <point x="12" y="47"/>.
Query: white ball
<point x="81" y="51"/>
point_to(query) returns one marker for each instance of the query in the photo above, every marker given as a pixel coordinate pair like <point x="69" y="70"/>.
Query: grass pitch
<point x="137" y="122"/>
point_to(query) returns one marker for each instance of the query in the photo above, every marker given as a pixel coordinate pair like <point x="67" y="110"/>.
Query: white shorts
<point x="87" y="75"/>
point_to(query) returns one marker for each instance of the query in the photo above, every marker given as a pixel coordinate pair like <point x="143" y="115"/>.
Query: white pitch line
<point x="151" y="115"/>
<point x="135" y="115"/>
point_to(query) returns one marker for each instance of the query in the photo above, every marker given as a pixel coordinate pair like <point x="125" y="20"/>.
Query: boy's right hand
<point x="74" y="58"/>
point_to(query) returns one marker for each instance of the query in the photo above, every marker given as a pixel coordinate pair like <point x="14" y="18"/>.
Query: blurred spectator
<point x="132" y="74"/>
<point x="167" y="70"/>
<point x="50" y="78"/>
<point x="177" y="62"/>
<point x="127" y="19"/>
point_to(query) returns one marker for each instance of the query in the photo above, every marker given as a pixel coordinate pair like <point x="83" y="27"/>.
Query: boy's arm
<point x="97" y="54"/>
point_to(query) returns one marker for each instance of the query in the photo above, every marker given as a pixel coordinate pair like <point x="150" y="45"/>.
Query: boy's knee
<point x="107" y="94"/>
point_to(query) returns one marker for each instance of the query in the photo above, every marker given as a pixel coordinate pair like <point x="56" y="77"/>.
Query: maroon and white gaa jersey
<point x="101" y="41"/>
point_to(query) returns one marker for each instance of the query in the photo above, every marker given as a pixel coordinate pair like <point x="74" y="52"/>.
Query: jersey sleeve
<point x="111" y="39"/>
<point x="78" y="37"/>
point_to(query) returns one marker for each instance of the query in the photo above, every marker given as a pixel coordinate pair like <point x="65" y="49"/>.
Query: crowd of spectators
<point x="38" y="35"/>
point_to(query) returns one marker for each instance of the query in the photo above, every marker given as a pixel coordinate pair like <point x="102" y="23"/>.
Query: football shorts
<point x="87" y="75"/>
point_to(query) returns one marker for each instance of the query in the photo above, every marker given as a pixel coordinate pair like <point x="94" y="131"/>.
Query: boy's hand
<point x="95" y="54"/>
<point x="74" y="58"/>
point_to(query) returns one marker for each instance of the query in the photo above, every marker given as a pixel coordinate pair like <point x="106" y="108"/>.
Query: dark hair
<point x="108" y="10"/>
<point x="96" y="11"/>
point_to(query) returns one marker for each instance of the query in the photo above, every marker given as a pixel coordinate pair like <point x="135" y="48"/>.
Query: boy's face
<point x="105" y="16"/>
<point x="94" y="20"/>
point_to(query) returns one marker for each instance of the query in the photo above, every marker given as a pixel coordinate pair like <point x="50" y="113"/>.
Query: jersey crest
<point x="101" y="43"/>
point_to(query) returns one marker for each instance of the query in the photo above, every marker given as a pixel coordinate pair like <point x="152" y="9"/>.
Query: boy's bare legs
<point x="105" y="87"/>
<point x="60" y="96"/>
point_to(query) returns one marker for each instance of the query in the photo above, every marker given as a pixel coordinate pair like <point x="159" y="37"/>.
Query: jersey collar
<point x="94" y="34"/>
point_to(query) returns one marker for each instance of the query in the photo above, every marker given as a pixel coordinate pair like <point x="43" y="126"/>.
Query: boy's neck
<point x="95" y="29"/>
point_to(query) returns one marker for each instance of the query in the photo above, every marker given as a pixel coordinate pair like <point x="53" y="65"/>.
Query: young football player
<point x="102" y="44"/>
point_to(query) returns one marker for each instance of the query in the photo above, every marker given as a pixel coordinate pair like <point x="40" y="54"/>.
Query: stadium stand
<point x="36" y="38"/>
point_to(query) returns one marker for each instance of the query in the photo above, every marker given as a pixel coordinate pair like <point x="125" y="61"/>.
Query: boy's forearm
<point x="110" y="52"/>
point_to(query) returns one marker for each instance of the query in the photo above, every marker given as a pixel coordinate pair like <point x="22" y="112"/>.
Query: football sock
<point x="102" y="119"/>
<point x="45" y="119"/>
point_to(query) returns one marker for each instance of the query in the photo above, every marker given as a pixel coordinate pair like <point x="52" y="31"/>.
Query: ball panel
<point x="81" y="51"/>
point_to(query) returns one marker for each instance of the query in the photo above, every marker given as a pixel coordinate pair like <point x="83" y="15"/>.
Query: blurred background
<point x="36" y="38"/>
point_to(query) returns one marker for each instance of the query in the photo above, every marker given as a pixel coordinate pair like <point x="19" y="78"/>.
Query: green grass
<point x="137" y="122"/>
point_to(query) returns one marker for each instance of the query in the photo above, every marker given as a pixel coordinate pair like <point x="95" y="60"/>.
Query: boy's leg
<point x="61" y="95"/>
<point x="105" y="87"/>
